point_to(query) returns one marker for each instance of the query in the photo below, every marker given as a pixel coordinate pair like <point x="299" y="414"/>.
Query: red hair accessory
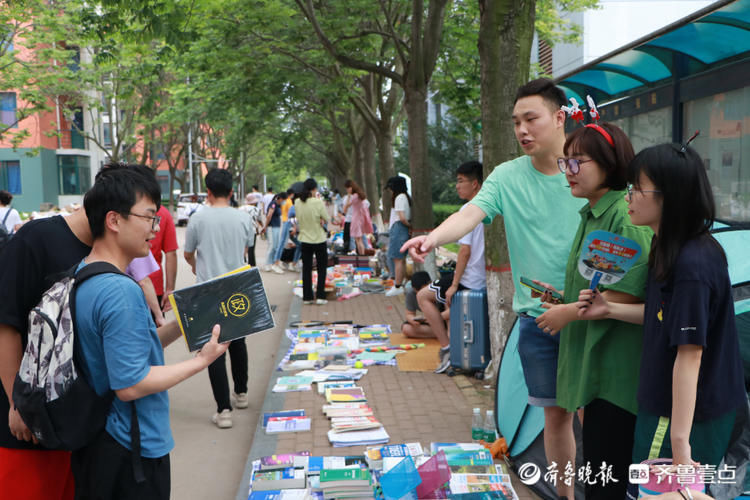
<point x="603" y="132"/>
<point x="575" y="111"/>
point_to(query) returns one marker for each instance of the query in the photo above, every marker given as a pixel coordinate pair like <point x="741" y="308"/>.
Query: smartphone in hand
<point x="540" y="289"/>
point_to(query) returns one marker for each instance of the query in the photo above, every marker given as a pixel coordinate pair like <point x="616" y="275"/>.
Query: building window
<point x="107" y="135"/>
<point x="647" y="129"/>
<point x="10" y="176"/>
<point x="75" y="174"/>
<point x="8" y="109"/>
<point x="724" y="145"/>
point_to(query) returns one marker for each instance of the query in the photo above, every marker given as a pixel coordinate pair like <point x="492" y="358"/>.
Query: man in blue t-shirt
<point x="540" y="217"/>
<point x="121" y="348"/>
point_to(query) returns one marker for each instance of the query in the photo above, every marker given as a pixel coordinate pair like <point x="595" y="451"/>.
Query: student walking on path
<point x="361" y="223"/>
<point x="215" y="244"/>
<point x="311" y="215"/>
<point x="399" y="229"/>
<point x="598" y="362"/>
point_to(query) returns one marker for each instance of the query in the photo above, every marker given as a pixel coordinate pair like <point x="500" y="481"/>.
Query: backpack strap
<point x="7" y="214"/>
<point x="89" y="271"/>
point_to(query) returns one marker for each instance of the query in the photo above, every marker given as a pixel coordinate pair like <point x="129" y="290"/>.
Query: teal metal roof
<point x="709" y="36"/>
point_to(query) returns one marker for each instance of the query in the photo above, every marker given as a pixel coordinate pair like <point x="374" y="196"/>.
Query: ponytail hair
<point x="307" y="190"/>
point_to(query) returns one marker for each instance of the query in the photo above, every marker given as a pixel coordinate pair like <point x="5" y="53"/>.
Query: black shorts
<point x="440" y="286"/>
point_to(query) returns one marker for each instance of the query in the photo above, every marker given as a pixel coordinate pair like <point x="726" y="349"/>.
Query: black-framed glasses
<point x="155" y="219"/>
<point x="572" y="164"/>
<point x="631" y="189"/>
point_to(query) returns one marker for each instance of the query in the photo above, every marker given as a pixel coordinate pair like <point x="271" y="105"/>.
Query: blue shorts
<point x="538" y="351"/>
<point x="397" y="236"/>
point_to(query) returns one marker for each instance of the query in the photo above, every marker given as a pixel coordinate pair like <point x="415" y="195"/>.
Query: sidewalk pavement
<point x="413" y="406"/>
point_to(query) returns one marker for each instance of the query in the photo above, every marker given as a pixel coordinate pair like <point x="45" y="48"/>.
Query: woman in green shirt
<point x="598" y="362"/>
<point x="311" y="216"/>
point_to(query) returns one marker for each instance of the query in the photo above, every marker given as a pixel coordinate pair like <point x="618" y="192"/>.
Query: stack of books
<point x="293" y="384"/>
<point x="286" y="421"/>
<point x="345" y="395"/>
<point x="346" y="483"/>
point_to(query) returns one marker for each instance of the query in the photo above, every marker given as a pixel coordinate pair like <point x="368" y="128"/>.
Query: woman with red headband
<point x="598" y="363"/>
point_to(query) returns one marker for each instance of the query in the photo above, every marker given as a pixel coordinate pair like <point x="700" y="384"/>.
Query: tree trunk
<point x="387" y="170"/>
<point x="371" y="183"/>
<point x="506" y="30"/>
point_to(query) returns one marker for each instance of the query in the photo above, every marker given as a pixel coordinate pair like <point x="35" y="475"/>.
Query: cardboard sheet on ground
<point x="606" y="257"/>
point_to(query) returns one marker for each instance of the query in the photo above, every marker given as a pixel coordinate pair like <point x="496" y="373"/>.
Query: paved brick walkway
<point x="413" y="406"/>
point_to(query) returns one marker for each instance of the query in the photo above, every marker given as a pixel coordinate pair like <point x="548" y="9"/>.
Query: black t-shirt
<point x="276" y="216"/>
<point x="694" y="307"/>
<point x="31" y="262"/>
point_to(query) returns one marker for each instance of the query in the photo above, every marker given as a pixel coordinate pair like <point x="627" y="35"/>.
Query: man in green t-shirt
<point x="541" y="218"/>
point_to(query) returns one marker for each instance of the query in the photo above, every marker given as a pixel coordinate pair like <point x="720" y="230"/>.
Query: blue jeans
<point x="538" y="351"/>
<point x="273" y="242"/>
<point x="285" y="227"/>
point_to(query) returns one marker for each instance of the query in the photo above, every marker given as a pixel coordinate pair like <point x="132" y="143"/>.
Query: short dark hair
<point x="255" y="186"/>
<point x="546" y="89"/>
<point x="471" y="170"/>
<point x="420" y="279"/>
<point x="613" y="160"/>
<point x="5" y="197"/>
<point x="219" y="181"/>
<point x="117" y="188"/>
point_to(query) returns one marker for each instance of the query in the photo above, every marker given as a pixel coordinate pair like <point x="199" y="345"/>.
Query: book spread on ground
<point x="236" y="301"/>
<point x="284" y="461"/>
<point x="288" y="424"/>
<point x="356" y="438"/>
<point x="282" y="413"/>
<point x="348" y="424"/>
<point x="345" y="395"/>
<point x="291" y="477"/>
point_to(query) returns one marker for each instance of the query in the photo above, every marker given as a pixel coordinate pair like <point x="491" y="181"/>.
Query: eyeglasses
<point x="572" y="164"/>
<point x="631" y="189"/>
<point x="155" y="219"/>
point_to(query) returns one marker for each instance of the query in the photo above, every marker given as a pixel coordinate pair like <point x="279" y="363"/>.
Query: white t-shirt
<point x="12" y="220"/>
<point x="475" y="276"/>
<point x="401" y="204"/>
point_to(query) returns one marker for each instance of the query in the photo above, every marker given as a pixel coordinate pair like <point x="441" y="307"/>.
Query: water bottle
<point x="477" y="429"/>
<point x="489" y="427"/>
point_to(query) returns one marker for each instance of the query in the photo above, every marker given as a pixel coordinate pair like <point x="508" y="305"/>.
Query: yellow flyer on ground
<point x="236" y="301"/>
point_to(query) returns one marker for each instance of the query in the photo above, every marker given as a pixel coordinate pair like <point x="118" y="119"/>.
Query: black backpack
<point x="4" y="234"/>
<point x="54" y="399"/>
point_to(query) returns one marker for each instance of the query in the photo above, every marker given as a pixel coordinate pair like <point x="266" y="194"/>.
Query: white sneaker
<point x="240" y="400"/>
<point x="298" y="267"/>
<point x="265" y="268"/>
<point x="223" y="420"/>
<point x="277" y="269"/>
<point x="395" y="291"/>
<point x="308" y="302"/>
<point x="321" y="302"/>
<point x="444" y="359"/>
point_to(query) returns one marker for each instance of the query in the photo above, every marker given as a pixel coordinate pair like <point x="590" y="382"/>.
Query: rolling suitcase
<point x="470" y="330"/>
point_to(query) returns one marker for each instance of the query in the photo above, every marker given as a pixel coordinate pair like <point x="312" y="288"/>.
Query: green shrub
<point x="443" y="211"/>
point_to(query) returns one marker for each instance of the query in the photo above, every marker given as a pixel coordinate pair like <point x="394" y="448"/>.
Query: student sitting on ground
<point x="469" y="273"/>
<point x="416" y="327"/>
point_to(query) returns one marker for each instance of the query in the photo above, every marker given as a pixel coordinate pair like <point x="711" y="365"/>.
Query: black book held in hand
<point x="236" y="301"/>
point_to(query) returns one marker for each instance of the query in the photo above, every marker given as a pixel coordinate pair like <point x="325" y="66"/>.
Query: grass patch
<point x="452" y="247"/>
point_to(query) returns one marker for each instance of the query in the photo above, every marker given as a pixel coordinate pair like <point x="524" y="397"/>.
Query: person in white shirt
<point x="8" y="215"/>
<point x="399" y="227"/>
<point x="470" y="267"/>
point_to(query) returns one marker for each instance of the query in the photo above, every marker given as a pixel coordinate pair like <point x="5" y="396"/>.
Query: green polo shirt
<point x="601" y="359"/>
